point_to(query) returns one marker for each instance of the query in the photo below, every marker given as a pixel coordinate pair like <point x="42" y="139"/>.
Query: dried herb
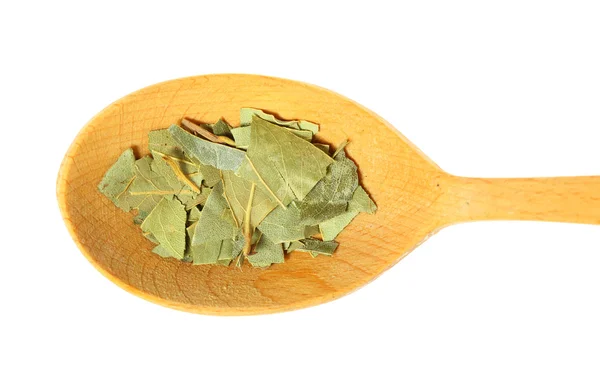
<point x="214" y="154"/>
<point x="166" y="223"/>
<point x="314" y="246"/>
<point x="287" y="166"/>
<point x="198" y="129"/>
<point x="330" y="196"/>
<point x="360" y="202"/>
<point x="214" y="194"/>
<point x="216" y="222"/>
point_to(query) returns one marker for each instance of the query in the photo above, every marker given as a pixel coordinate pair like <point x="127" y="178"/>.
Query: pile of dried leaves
<point x="248" y="192"/>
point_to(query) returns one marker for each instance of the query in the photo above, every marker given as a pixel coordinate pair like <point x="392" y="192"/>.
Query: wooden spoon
<point x="415" y="198"/>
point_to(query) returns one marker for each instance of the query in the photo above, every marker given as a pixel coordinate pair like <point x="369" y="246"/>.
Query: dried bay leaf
<point x="166" y="222"/>
<point x="307" y="135"/>
<point x="311" y="230"/>
<point x="159" y="250"/>
<point x="266" y="253"/>
<point x="246" y="115"/>
<point x="221" y="127"/>
<point x="239" y="242"/>
<point x="314" y="246"/>
<point x="205" y="131"/>
<point x="118" y="178"/>
<point x="248" y="202"/>
<point x="216" y="222"/>
<point x="150" y="181"/>
<point x="144" y="195"/>
<point x="163" y="144"/>
<point x="226" y="252"/>
<point x="206" y="253"/>
<point x="224" y="262"/>
<point x="330" y="196"/>
<point x="237" y="193"/>
<point x="283" y="225"/>
<point x="214" y="252"/>
<point x="210" y="175"/>
<point x="189" y="235"/>
<point x="199" y="200"/>
<point x="206" y="152"/>
<point x="236" y="205"/>
<point x="360" y="202"/>
<point x="331" y="228"/>
<point x="193" y="215"/>
<point x="190" y="230"/>
<point x="323" y="147"/>
<point x="340" y="148"/>
<point x="150" y="237"/>
<point x="154" y="179"/>
<point x="182" y="177"/>
<point x="287" y="166"/>
<point x="242" y="136"/>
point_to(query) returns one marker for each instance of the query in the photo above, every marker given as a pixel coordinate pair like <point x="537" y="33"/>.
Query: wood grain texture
<point x="414" y="197"/>
<point x="564" y="199"/>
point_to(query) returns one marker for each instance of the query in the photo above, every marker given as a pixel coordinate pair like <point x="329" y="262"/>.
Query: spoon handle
<point x="563" y="199"/>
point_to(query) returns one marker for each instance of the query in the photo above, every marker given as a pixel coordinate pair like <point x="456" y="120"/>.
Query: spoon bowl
<point x="415" y="198"/>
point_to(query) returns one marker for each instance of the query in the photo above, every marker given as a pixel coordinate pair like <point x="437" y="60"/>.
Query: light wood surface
<point x="415" y="198"/>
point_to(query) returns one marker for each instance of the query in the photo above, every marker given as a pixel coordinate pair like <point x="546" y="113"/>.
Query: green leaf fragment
<point x="154" y="179"/>
<point x="159" y="250"/>
<point x="266" y="253"/>
<point x="150" y="181"/>
<point x="238" y="244"/>
<point x="331" y="228"/>
<point x="283" y="225"/>
<point x="193" y="215"/>
<point x="340" y="148"/>
<point x="242" y="135"/>
<point x="199" y="200"/>
<point x="206" y="252"/>
<point x="166" y="223"/>
<point x="330" y="196"/>
<point x="226" y="252"/>
<point x="314" y="246"/>
<point x="311" y="230"/>
<point x="360" y="202"/>
<point x="189" y="234"/>
<point x="163" y="144"/>
<point x="205" y="131"/>
<point x="286" y="165"/>
<point x="221" y="127"/>
<point x="323" y="147"/>
<point x="237" y="204"/>
<point x="246" y="115"/>
<point x="150" y="237"/>
<point x="205" y="152"/>
<point x="118" y="178"/>
<point x="210" y="175"/>
<point x="216" y="222"/>
<point x="237" y="193"/>
<point x="307" y="135"/>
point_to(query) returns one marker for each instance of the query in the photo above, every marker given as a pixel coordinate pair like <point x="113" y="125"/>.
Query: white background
<point x="485" y="88"/>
